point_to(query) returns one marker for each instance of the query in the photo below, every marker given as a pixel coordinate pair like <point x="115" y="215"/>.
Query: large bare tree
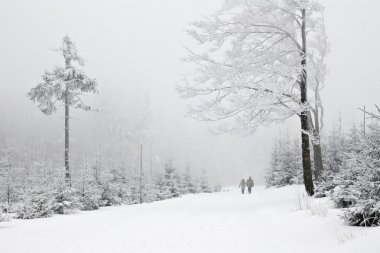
<point x="252" y="67"/>
<point x="64" y="85"/>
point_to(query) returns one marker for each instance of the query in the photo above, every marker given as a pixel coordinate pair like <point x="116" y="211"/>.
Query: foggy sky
<point x="135" y="47"/>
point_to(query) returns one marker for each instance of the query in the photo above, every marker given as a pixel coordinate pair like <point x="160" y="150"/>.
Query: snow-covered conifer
<point x="168" y="182"/>
<point x="355" y="170"/>
<point x="204" y="184"/>
<point x="2" y="215"/>
<point x="365" y="171"/>
<point x="88" y="190"/>
<point x="64" y="85"/>
<point x="187" y="184"/>
<point x="334" y="147"/>
<point x="7" y="180"/>
<point x="218" y="188"/>
<point x="285" y="167"/>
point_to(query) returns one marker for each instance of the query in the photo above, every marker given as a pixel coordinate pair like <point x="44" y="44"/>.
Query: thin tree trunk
<point x="306" y="162"/>
<point x="318" y="161"/>
<point x="8" y="189"/>
<point x="316" y="141"/>
<point x="141" y="160"/>
<point x="67" y="142"/>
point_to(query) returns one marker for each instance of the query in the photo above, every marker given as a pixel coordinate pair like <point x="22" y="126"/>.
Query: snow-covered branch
<point x="249" y="62"/>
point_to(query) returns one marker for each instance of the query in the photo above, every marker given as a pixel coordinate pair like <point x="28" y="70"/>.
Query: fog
<point x="134" y="50"/>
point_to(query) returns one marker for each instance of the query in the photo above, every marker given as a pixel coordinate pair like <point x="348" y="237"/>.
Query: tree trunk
<point x="316" y="141"/>
<point x="318" y="161"/>
<point x="67" y="142"/>
<point x="141" y="160"/>
<point x="306" y="162"/>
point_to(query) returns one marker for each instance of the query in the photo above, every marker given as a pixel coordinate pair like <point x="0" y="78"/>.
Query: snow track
<point x="266" y="221"/>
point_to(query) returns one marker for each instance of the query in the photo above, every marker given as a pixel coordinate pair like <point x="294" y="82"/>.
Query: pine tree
<point x="168" y="182"/>
<point x="64" y="85"/>
<point x="89" y="191"/>
<point x="285" y="167"/>
<point x="274" y="169"/>
<point x="2" y="215"/>
<point x="149" y="189"/>
<point x="134" y="190"/>
<point x="39" y="197"/>
<point x="334" y="146"/>
<point x="205" y="187"/>
<point x="8" y="184"/>
<point x="218" y="188"/>
<point x="364" y="172"/>
<point x="335" y="151"/>
<point x="197" y="184"/>
<point x="187" y="184"/>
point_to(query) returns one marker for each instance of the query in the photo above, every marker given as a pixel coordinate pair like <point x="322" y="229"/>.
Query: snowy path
<point x="266" y="221"/>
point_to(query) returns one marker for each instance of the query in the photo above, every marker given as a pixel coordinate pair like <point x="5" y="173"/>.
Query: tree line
<point x="351" y="178"/>
<point x="31" y="187"/>
<point x="41" y="190"/>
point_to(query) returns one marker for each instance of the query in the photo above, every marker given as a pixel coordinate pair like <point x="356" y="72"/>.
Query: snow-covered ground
<point x="274" y="220"/>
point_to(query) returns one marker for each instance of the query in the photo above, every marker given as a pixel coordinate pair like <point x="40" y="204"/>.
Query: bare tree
<point x="252" y="68"/>
<point x="64" y="85"/>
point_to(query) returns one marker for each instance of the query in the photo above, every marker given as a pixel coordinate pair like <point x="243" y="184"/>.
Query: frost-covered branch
<point x="372" y="114"/>
<point x="249" y="62"/>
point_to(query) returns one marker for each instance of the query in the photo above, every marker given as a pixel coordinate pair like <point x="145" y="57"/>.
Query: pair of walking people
<point x="249" y="183"/>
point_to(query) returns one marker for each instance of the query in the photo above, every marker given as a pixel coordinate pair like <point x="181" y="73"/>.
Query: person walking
<point x="250" y="184"/>
<point x="242" y="185"/>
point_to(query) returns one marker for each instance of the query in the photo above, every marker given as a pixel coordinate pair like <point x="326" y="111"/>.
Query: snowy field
<point x="275" y="220"/>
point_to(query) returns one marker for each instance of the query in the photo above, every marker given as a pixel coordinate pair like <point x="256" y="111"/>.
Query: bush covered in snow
<point x="218" y="188"/>
<point x="343" y="197"/>
<point x="36" y="203"/>
<point x="353" y="174"/>
<point x="285" y="167"/>
<point x="365" y="213"/>
<point x="326" y="185"/>
<point x="204" y="185"/>
<point x="168" y="182"/>
<point x="187" y="184"/>
<point x="41" y="191"/>
<point x="2" y="215"/>
<point x="362" y="176"/>
<point x="334" y="146"/>
<point x="89" y="196"/>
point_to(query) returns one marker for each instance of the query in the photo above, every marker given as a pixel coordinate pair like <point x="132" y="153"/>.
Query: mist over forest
<point x="137" y="67"/>
<point x="196" y="116"/>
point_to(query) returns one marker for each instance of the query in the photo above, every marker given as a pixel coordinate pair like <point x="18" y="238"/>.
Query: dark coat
<point x="250" y="182"/>
<point x="242" y="183"/>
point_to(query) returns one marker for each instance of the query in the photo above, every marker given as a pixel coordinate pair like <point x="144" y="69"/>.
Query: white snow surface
<point x="270" y="220"/>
